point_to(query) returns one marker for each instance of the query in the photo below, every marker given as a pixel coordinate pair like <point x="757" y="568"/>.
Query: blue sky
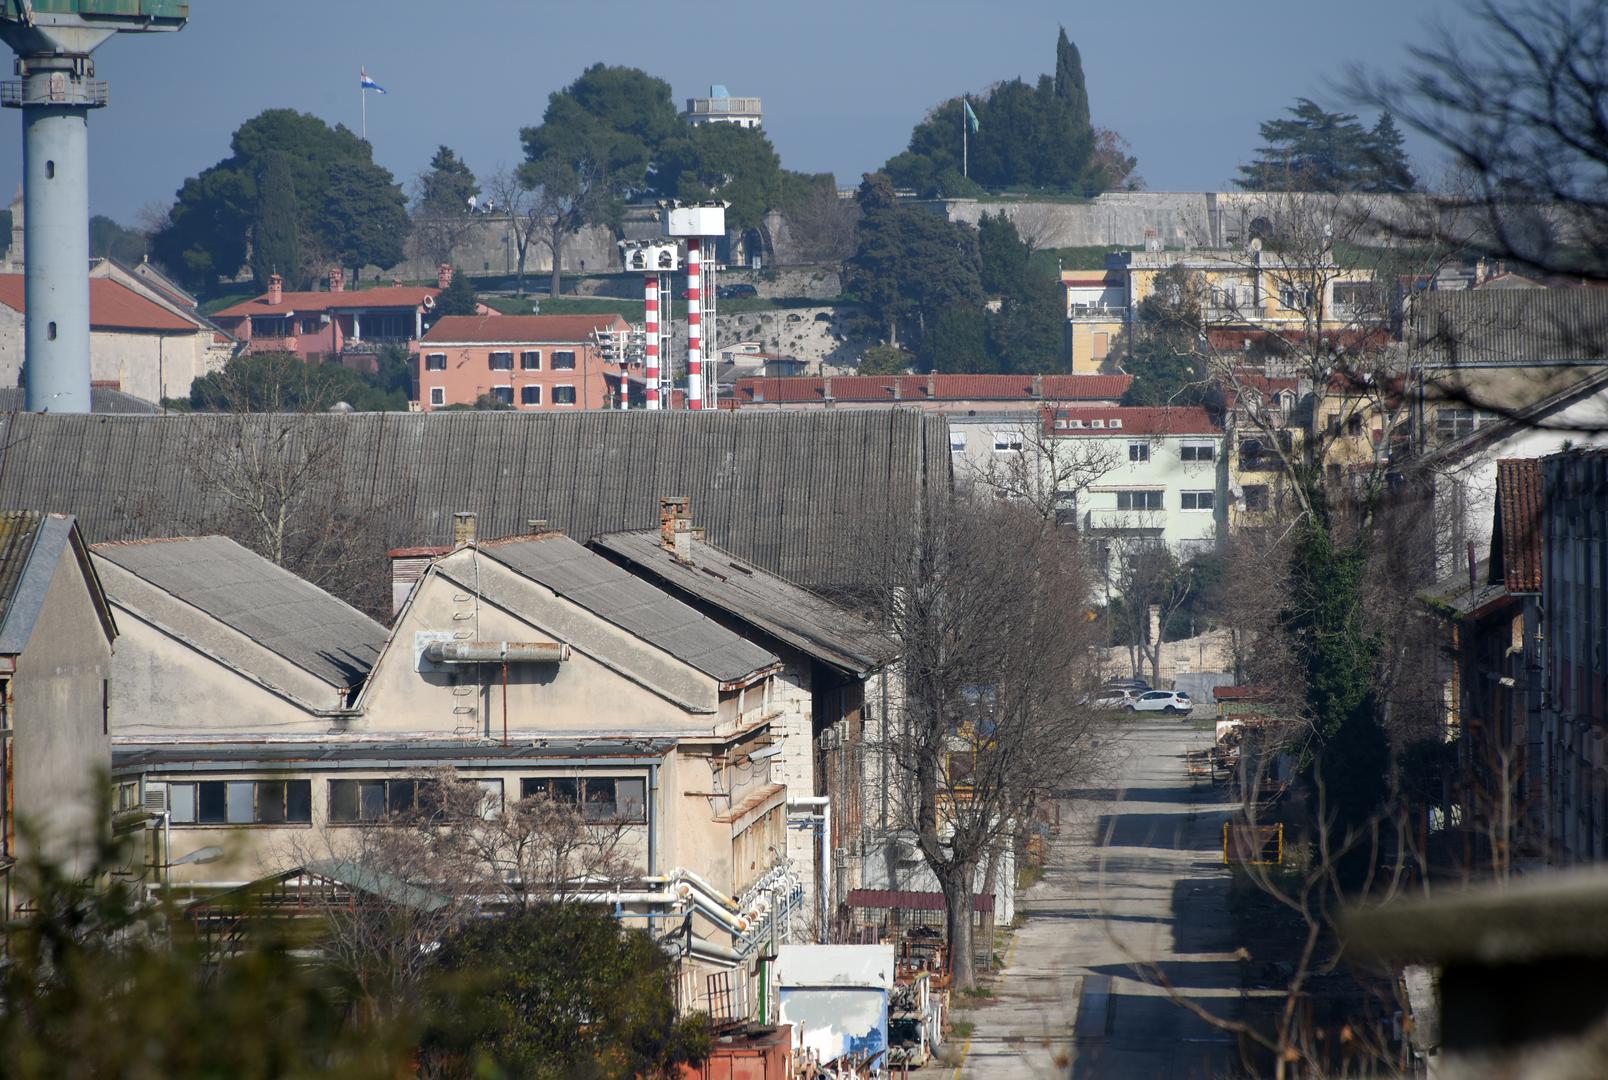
<point x="842" y="81"/>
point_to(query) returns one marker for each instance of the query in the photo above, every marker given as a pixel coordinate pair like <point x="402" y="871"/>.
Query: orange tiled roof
<point x="410" y="296"/>
<point x="519" y="329"/>
<point x="112" y="306"/>
<point x="1133" y="420"/>
<point x="1519" y="498"/>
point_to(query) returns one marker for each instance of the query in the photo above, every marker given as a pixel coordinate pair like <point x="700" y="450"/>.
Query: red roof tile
<point x="918" y="388"/>
<point x="112" y="306"/>
<point x="1519" y="498"/>
<point x="387" y="296"/>
<point x="1133" y="420"/>
<point x="519" y="329"/>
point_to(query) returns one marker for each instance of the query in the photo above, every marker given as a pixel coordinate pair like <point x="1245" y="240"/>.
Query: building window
<point x="1197" y="500"/>
<point x="241" y="802"/>
<point x="501" y="361"/>
<point x="615" y="799"/>
<point x="530" y="395"/>
<point x="436" y="361"/>
<point x="563" y="361"/>
<point x="503" y="395"/>
<point x="563" y="395"/>
<point x="530" y="360"/>
<point x="438" y="395"/>
<point x="354" y="802"/>
<point x="1256" y="497"/>
<point x="1138" y="451"/>
<point x="1197" y="452"/>
<point x="1294" y="299"/>
<point x="1331" y="421"/>
<point x="271" y="326"/>
<point x="1007" y="442"/>
<point x="957" y="441"/>
<point x="1354" y="424"/>
<point x="1101" y="346"/>
<point x="1138" y="500"/>
<point x="1453" y="423"/>
<point x="312" y="325"/>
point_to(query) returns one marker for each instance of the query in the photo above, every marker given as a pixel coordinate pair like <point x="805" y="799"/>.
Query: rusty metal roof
<point x="1516" y="543"/>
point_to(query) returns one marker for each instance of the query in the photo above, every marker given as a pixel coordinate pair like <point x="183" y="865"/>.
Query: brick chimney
<point x="675" y="526"/>
<point x="463" y="528"/>
<point x="444" y="276"/>
<point x="276" y="289"/>
<point x="337" y="279"/>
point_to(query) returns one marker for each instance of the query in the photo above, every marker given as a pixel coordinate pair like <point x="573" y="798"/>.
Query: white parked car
<point x="1167" y="701"/>
<point x="1112" y="699"/>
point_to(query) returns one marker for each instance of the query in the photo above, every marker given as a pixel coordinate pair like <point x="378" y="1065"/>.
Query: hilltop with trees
<point x="1027" y="138"/>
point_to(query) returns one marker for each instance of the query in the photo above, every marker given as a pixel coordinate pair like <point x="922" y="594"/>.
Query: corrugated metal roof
<point x="32" y="545"/>
<point x="922" y="388"/>
<point x="267" y="603"/>
<point x="1512" y="326"/>
<point x="609" y="592"/>
<point x="778" y="607"/>
<point x="136" y="756"/>
<point x="784" y="490"/>
<point x="102" y="399"/>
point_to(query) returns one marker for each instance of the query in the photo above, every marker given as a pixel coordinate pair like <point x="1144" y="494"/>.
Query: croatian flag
<point x="368" y="83"/>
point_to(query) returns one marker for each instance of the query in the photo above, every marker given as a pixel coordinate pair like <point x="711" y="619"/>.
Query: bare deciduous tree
<point x="824" y="227"/>
<point x="523" y="218"/>
<point x="990" y="604"/>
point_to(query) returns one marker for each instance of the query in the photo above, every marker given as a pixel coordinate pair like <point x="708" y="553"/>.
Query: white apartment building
<point x="1115" y="472"/>
<point x="721" y="108"/>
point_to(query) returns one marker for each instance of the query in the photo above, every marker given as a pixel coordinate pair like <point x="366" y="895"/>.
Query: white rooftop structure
<point x="721" y="108"/>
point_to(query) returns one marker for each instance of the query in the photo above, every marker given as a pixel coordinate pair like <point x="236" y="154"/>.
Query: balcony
<point x="1138" y="522"/>
<point x="735" y="106"/>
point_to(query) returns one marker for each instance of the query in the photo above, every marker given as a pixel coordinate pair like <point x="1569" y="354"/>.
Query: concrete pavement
<point x="1134" y="877"/>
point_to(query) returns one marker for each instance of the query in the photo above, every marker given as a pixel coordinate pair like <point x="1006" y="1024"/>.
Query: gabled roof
<point x="408" y="296"/>
<point x="252" y="596"/>
<point x="32" y="545"/>
<point x="519" y="329"/>
<point x="773" y="605"/>
<point x="1516" y="540"/>
<point x="1080" y="421"/>
<point x="590" y="581"/>
<point x="112" y="306"/>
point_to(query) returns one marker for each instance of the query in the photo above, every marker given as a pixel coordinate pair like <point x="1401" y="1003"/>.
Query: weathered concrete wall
<point x="149" y="366"/>
<point x="1175" y="219"/>
<point x="62" y="751"/>
<point x="482" y="250"/>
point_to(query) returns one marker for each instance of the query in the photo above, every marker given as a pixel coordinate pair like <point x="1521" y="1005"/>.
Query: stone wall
<point x="482" y="251"/>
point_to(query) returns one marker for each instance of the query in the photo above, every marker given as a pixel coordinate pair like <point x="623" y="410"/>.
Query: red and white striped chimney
<point x="650" y="330"/>
<point x="694" y="324"/>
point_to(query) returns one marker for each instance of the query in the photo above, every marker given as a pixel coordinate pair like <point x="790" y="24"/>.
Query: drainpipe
<point x="653" y="819"/>
<point x="823" y="825"/>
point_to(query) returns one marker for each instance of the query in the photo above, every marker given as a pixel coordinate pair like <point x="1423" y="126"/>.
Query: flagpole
<point x="965" y="156"/>
<point x="362" y="93"/>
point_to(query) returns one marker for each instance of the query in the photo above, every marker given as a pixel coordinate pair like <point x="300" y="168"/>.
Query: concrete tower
<point x="53" y="40"/>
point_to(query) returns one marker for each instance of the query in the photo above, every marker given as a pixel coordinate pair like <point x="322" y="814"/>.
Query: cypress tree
<point x="1070" y="88"/>
<point x="1390" y="167"/>
<point x="276" y="228"/>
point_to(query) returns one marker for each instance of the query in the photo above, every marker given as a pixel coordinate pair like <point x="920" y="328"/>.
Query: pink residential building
<point x="529" y="362"/>
<point x="347" y="325"/>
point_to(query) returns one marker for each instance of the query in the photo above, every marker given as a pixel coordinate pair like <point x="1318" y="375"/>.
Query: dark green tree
<point x="276" y="227"/>
<point x="363" y="219"/>
<point x="445" y="188"/>
<point x="107" y="239"/>
<point x="885" y="360"/>
<point x="1005" y="262"/>
<point x="458" y="298"/>
<point x="99" y="982"/>
<point x="723" y="161"/>
<point x="957" y="341"/>
<point x="1030" y="136"/>
<point x="1163" y="353"/>
<point x="1028" y="333"/>
<point x="592" y="149"/>
<point x="284" y="382"/>
<point x="910" y="264"/>
<point x="1317" y="150"/>
<point x="607" y="1011"/>
<point x="207" y="229"/>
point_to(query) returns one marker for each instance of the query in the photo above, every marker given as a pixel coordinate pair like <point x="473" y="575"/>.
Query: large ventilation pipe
<point x="497" y="652"/>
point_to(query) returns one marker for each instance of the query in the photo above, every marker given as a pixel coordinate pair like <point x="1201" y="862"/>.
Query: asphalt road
<point x="1133" y="893"/>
